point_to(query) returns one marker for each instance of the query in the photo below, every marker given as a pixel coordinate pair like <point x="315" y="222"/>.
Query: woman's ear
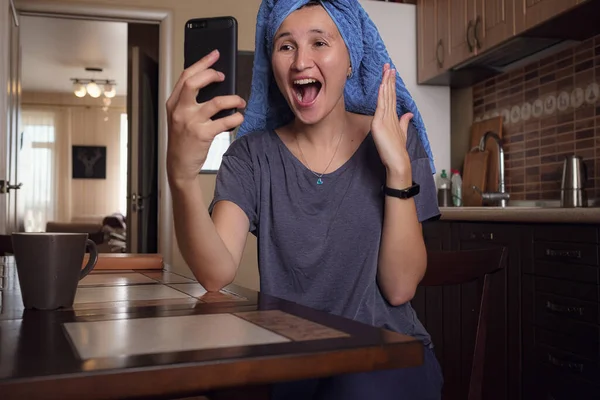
<point x="349" y="71"/>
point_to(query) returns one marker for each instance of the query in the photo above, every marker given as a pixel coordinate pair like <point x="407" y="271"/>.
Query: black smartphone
<point x="203" y="35"/>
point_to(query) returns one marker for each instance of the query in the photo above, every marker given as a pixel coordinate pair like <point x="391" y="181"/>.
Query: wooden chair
<point x="458" y="267"/>
<point x="6" y="247"/>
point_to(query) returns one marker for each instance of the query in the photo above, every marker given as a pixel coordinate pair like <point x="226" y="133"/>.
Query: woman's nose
<point x="303" y="59"/>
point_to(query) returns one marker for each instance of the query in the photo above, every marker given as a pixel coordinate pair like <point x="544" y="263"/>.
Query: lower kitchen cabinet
<point x="544" y="322"/>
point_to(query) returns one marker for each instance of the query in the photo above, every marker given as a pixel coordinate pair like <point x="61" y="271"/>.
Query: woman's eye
<point x="285" y="47"/>
<point x="320" y="44"/>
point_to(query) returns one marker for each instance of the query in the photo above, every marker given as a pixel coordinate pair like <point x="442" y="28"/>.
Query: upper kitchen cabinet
<point x="432" y="43"/>
<point x="530" y="13"/>
<point x="494" y="22"/>
<point x="450" y="32"/>
<point x="462" y="42"/>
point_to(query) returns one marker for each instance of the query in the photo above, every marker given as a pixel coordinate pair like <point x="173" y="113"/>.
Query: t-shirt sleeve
<point x="236" y="181"/>
<point x="426" y="201"/>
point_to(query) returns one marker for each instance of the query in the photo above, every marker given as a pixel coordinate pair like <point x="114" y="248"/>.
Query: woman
<point x="309" y="186"/>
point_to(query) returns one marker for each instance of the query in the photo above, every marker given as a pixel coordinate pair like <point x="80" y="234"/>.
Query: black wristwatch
<point x="402" y="193"/>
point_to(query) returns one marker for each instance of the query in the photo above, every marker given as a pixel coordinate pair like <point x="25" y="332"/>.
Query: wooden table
<point x="157" y="334"/>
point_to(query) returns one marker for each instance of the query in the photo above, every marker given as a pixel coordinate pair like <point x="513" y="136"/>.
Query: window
<point x="217" y="149"/>
<point x="37" y="169"/>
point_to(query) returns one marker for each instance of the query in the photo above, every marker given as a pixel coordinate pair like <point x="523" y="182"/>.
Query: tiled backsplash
<point x="551" y="108"/>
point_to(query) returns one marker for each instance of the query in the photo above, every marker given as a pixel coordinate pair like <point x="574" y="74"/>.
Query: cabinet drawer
<point x="577" y="290"/>
<point x="542" y="381"/>
<point x="567" y="272"/>
<point x="561" y="363"/>
<point x="567" y="233"/>
<point x="572" y="338"/>
<point x="572" y="253"/>
<point x="564" y="307"/>
<point x="486" y="232"/>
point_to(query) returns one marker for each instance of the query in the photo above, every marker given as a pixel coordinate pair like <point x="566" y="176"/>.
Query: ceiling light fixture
<point x="94" y="87"/>
<point x="79" y="89"/>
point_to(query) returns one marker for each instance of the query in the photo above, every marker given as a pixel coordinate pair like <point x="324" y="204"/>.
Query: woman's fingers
<point x="226" y="124"/>
<point x="193" y="84"/>
<point x="199" y="66"/>
<point x="404" y="120"/>
<point x="390" y="93"/>
<point x="220" y="103"/>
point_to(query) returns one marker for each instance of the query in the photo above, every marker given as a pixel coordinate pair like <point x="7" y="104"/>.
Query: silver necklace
<point x="319" y="176"/>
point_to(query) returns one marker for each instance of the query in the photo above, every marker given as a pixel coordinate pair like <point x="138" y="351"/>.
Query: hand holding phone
<point x="202" y="36"/>
<point x="193" y="123"/>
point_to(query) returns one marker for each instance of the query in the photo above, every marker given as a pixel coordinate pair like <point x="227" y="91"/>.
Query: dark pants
<point x="418" y="383"/>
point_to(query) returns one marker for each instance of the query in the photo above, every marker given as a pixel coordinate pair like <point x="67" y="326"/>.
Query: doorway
<point x="86" y="149"/>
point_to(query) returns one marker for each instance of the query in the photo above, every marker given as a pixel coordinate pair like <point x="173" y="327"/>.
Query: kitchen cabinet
<point x="561" y="318"/>
<point x="544" y="326"/>
<point x="432" y="43"/>
<point x="452" y="32"/>
<point x="494" y="23"/>
<point x="450" y="313"/>
<point x="529" y="13"/>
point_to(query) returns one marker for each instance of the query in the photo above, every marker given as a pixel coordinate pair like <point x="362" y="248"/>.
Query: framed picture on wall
<point x="89" y="162"/>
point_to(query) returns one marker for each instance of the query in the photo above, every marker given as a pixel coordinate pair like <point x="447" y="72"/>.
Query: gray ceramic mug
<point x="49" y="267"/>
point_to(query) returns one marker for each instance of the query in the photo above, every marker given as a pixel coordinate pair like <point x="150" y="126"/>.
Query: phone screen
<point x="203" y="35"/>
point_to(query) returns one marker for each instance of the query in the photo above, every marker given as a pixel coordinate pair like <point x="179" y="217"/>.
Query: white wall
<point x="397" y="24"/>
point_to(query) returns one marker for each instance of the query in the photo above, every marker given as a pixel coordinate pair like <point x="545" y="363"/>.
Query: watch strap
<point x="402" y="193"/>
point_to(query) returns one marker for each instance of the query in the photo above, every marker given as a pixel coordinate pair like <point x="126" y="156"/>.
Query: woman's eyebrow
<point x="315" y="30"/>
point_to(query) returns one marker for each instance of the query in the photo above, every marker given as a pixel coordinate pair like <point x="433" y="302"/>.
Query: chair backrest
<point x="6" y="247"/>
<point x="456" y="267"/>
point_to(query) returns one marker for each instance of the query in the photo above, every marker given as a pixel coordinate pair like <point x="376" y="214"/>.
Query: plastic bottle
<point x="456" y="188"/>
<point x="444" y="190"/>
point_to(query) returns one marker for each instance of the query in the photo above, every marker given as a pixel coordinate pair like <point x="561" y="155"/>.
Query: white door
<point x="11" y="218"/>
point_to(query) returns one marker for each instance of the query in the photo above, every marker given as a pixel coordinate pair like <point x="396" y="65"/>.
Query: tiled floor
<point x="115" y="279"/>
<point x="127" y="337"/>
<point x="122" y="293"/>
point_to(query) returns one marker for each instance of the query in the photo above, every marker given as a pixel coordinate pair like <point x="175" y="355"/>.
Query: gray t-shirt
<point x="318" y="245"/>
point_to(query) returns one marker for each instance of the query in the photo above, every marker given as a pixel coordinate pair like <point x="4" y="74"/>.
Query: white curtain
<point x="37" y="169"/>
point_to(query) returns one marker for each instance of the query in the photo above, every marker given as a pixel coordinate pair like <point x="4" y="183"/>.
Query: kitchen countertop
<point x="543" y="211"/>
<point x="522" y="214"/>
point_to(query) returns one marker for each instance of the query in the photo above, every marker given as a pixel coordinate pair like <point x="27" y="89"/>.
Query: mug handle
<point x="92" y="260"/>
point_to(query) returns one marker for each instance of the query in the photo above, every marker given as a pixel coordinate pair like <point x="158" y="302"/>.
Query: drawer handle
<point x="573" y="366"/>
<point x="576" y="254"/>
<point x="564" y="309"/>
<point x="482" y="236"/>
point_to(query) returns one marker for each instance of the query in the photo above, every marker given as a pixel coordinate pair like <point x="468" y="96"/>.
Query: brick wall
<point x="551" y="108"/>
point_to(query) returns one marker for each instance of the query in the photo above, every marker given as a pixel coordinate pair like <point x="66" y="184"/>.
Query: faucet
<point x="501" y="196"/>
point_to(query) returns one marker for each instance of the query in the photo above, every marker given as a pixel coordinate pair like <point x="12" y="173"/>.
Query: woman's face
<point x="310" y="63"/>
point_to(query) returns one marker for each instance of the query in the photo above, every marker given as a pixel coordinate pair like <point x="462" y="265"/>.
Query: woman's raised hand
<point x="390" y="132"/>
<point x="191" y="130"/>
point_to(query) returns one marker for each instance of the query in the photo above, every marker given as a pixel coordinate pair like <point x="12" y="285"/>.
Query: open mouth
<point x="307" y="90"/>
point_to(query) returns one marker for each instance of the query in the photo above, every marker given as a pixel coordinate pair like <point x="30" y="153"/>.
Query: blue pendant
<point x="319" y="181"/>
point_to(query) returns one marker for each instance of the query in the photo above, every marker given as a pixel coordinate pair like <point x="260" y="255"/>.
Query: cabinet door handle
<point x="482" y="236"/>
<point x="469" y="30"/>
<point x="576" y="254"/>
<point x="440" y="59"/>
<point x="572" y="366"/>
<point x="477" y="24"/>
<point x="562" y="309"/>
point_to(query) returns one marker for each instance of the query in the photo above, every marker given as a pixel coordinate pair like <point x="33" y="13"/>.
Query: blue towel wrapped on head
<point x="268" y="109"/>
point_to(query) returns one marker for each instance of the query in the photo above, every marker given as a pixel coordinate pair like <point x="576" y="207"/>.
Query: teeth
<point x="304" y="81"/>
<point x="299" y="96"/>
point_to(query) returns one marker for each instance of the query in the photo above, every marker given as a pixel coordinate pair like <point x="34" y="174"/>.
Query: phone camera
<point x="199" y="25"/>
